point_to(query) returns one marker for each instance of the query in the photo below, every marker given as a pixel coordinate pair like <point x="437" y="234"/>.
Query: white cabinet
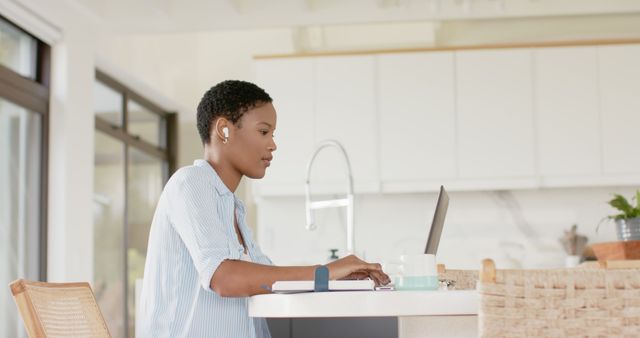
<point x="472" y="119"/>
<point x="495" y="116"/>
<point x="346" y="111"/>
<point x="290" y="83"/>
<point x="619" y="70"/>
<point x="567" y="114"/>
<point x="318" y="99"/>
<point x="416" y="103"/>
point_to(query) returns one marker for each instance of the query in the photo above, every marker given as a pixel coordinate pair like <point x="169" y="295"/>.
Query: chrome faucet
<point x="347" y="201"/>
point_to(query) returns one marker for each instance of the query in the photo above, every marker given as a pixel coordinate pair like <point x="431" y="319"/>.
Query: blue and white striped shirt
<point x="191" y="234"/>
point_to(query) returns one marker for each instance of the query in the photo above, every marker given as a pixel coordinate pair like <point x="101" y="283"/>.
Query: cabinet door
<point x="619" y="68"/>
<point x="345" y="111"/>
<point x="568" y="119"/>
<point x="416" y="101"/>
<point x="495" y="120"/>
<point x="289" y="82"/>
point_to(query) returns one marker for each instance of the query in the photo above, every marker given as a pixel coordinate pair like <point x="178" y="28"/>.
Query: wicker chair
<point x="583" y="302"/>
<point x="58" y="309"/>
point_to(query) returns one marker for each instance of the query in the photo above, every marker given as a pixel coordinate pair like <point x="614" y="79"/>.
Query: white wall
<point x="70" y="255"/>
<point x="184" y="66"/>
<point x="539" y="29"/>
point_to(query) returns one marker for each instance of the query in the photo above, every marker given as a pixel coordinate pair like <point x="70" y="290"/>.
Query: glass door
<point x="24" y="103"/>
<point x="20" y="162"/>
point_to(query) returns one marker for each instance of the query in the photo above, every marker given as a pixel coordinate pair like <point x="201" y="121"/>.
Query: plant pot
<point x="617" y="250"/>
<point x="628" y="229"/>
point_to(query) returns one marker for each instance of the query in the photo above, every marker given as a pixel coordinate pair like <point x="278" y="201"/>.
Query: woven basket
<point x="464" y="279"/>
<point x="559" y="303"/>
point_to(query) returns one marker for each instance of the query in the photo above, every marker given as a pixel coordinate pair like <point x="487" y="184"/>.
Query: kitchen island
<point x="450" y="313"/>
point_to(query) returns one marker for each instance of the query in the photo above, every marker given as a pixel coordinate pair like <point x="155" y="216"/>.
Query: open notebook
<point x="334" y="285"/>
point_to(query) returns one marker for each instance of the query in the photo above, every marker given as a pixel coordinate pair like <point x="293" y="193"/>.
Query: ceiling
<point x="164" y="16"/>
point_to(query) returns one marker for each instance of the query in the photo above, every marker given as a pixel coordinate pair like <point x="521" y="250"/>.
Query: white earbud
<point x="225" y="131"/>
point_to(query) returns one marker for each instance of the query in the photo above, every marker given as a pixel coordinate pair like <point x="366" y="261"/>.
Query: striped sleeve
<point x="197" y="214"/>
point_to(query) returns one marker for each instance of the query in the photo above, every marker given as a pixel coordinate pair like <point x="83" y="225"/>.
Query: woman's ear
<point x="222" y="129"/>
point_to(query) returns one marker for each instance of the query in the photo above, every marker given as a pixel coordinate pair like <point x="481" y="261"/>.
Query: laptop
<point x="438" y="222"/>
<point x="344" y="285"/>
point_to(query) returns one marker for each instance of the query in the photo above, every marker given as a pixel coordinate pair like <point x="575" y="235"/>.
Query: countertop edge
<point x="365" y="304"/>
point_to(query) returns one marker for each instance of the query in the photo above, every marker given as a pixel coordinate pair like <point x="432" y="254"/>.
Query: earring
<point x="226" y="139"/>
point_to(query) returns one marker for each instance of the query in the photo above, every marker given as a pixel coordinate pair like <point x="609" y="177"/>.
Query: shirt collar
<point x="221" y="188"/>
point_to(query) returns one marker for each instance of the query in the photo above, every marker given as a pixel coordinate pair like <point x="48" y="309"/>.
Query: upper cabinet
<point x="567" y="114"/>
<point x="318" y="99"/>
<point x="475" y="119"/>
<point x="619" y="70"/>
<point x="495" y="114"/>
<point x="290" y="83"/>
<point x="346" y="112"/>
<point x="416" y="103"/>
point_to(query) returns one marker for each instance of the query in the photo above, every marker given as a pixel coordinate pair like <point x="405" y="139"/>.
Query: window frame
<point x="34" y="96"/>
<point x="121" y="133"/>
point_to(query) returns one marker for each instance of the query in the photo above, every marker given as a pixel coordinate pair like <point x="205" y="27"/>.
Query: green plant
<point x="627" y="210"/>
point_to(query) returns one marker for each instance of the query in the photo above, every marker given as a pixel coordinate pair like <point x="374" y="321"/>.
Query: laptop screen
<point x="438" y="222"/>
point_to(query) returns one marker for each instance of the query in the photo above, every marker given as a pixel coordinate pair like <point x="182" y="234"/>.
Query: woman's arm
<point x="235" y="278"/>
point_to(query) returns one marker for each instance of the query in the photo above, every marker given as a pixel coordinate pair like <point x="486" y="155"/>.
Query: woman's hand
<point x="352" y="267"/>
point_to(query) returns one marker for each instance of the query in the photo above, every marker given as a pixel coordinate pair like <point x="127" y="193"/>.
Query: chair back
<point x="58" y="309"/>
<point x="593" y="302"/>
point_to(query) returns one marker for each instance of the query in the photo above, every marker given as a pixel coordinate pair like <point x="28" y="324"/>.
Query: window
<point x="18" y="50"/>
<point x="24" y="101"/>
<point x="133" y="159"/>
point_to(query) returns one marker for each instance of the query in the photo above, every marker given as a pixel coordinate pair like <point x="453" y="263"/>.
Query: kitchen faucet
<point x="347" y="201"/>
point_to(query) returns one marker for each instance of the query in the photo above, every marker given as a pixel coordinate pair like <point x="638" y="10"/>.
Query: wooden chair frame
<point x="23" y="293"/>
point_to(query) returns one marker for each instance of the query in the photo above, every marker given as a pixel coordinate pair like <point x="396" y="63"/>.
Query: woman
<point x="202" y="261"/>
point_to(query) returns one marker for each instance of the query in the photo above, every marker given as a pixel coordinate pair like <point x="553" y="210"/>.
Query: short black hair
<point x="229" y="99"/>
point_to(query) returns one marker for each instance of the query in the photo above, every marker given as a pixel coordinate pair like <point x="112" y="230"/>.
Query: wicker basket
<point x="559" y="303"/>
<point x="463" y="279"/>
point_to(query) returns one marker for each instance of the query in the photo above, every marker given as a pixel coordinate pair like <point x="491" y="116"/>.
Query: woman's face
<point x="250" y="147"/>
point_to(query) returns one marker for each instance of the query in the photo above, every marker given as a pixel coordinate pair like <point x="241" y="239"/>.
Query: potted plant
<point x="628" y="220"/>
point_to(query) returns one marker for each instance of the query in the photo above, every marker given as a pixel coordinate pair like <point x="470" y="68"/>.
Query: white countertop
<point x="365" y="304"/>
